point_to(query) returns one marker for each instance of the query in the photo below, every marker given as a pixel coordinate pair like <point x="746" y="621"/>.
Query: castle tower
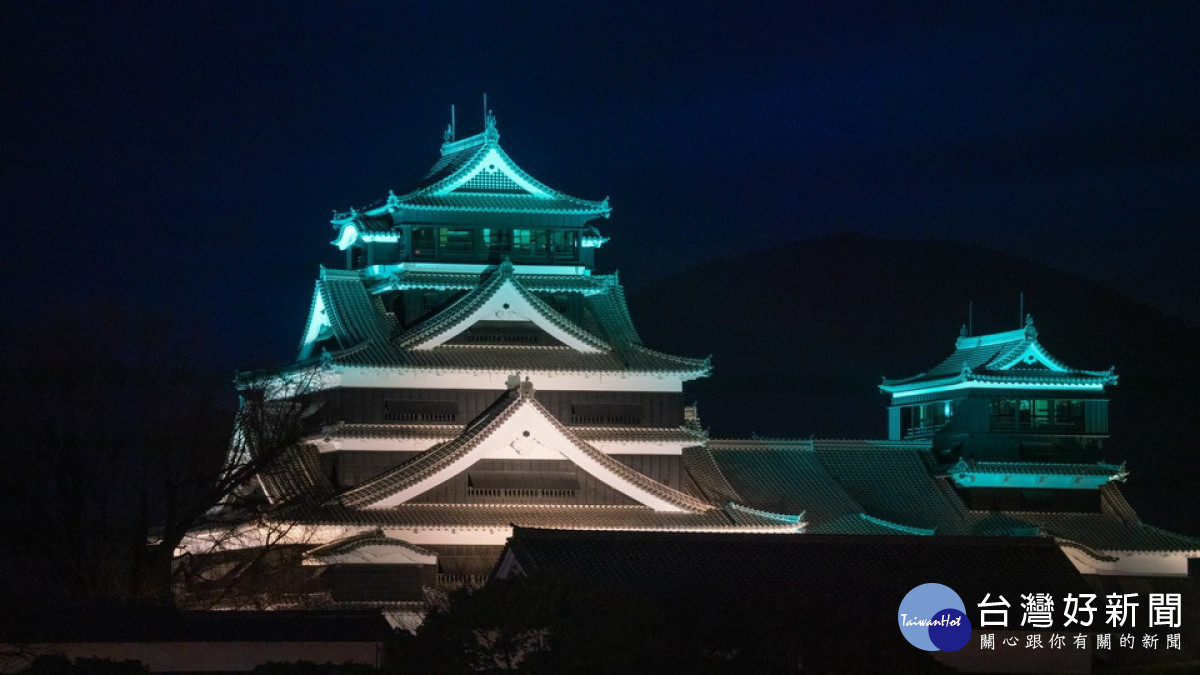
<point x="1003" y="397"/>
<point x="470" y="370"/>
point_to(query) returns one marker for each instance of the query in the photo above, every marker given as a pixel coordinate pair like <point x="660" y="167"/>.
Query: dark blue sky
<point x="182" y="159"/>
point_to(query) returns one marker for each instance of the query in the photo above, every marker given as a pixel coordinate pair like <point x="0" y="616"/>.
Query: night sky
<point x="181" y="160"/>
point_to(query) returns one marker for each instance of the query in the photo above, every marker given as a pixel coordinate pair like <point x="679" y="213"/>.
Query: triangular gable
<point x="495" y="171"/>
<point x="500" y="299"/>
<point x="1030" y="354"/>
<point x="517" y="426"/>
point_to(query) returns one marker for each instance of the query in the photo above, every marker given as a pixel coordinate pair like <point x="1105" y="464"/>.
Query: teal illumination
<point x="346" y="238"/>
<point x="382" y="237"/>
<point x="1033" y="475"/>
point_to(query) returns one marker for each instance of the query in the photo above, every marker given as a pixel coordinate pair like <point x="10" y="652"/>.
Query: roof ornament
<point x="527" y="388"/>
<point x="393" y="202"/>
<point x="962" y="332"/>
<point x="489" y="122"/>
<point x="1122" y="473"/>
<point x="448" y="136"/>
<point x="489" y="129"/>
<point x="1030" y="329"/>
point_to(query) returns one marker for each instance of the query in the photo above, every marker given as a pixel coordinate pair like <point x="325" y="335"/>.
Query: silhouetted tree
<point x="118" y="444"/>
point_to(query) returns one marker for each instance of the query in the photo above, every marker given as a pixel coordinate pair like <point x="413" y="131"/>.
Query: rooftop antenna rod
<point x="970" y="317"/>
<point x="453" y="127"/>
<point x="1021" y="316"/>
<point x="485" y="108"/>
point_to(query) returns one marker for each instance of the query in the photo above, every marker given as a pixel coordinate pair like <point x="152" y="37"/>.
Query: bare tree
<point x="118" y="447"/>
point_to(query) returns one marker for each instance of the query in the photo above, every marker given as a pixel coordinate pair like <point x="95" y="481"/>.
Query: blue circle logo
<point x="932" y="617"/>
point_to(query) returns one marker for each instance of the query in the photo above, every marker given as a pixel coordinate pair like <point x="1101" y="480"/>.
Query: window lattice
<point x="490" y="181"/>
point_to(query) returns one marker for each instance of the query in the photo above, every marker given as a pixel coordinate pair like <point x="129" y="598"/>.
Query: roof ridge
<point x="461" y="310"/>
<point x="415" y="469"/>
<point x="666" y="492"/>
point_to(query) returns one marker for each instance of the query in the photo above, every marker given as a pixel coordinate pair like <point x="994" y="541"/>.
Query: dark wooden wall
<point x="380" y="582"/>
<point x="366" y="405"/>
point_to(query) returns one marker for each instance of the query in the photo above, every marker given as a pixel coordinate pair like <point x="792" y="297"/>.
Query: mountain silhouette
<point x="801" y="335"/>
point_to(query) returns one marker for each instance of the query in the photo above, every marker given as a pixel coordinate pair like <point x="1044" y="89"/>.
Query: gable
<point x="518" y="429"/>
<point x="494" y="171"/>
<point x="1031" y="355"/>
<point x="505" y="334"/>
<point x="509" y="307"/>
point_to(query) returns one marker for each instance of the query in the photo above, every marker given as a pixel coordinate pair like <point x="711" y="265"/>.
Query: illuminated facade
<point x="469" y="371"/>
<point x="1003" y="397"/>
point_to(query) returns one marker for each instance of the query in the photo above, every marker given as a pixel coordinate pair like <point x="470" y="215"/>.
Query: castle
<point x="470" y="371"/>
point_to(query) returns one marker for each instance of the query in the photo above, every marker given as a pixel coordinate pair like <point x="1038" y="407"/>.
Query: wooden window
<point x="424" y="243"/>
<point x="504" y="333"/>
<point x="606" y="413"/>
<point x="402" y="410"/>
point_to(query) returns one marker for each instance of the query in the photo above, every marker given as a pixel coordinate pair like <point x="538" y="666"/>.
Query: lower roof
<point x="564" y="516"/>
<point x="866" y="487"/>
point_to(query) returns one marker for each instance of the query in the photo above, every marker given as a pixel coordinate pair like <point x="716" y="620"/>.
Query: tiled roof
<point x="993" y="359"/>
<point x="1040" y="468"/>
<point x="442" y="188"/>
<point x="707" y="477"/>
<point x="1113" y="503"/>
<point x="295" y="473"/>
<point x="448" y="431"/>
<point x="361" y="326"/>
<point x="864" y="487"/>
<point x="501" y="203"/>
<point x="437" y="459"/>
<point x="524" y="359"/>
<point x="541" y="283"/>
<point x="433" y="460"/>
<point x="891" y="482"/>
<point x="434" y="431"/>
<point x="566" y="517"/>
<point x="449" y="164"/>
<point x="460" y="310"/>
<point x="370" y="337"/>
<point x="860" y="524"/>
<point x="612" y="315"/>
<point x="353" y="542"/>
<point x="784" y="477"/>
<point x="630" y="434"/>
<point x="1024" y="376"/>
<point x="1103" y="533"/>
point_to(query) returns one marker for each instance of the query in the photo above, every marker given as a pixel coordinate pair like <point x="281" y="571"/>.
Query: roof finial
<point x="489" y="121"/>
<point x="450" y="130"/>
<point x="1030" y="329"/>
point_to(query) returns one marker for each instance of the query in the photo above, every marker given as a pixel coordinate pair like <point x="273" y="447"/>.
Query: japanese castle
<point x="471" y="371"/>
